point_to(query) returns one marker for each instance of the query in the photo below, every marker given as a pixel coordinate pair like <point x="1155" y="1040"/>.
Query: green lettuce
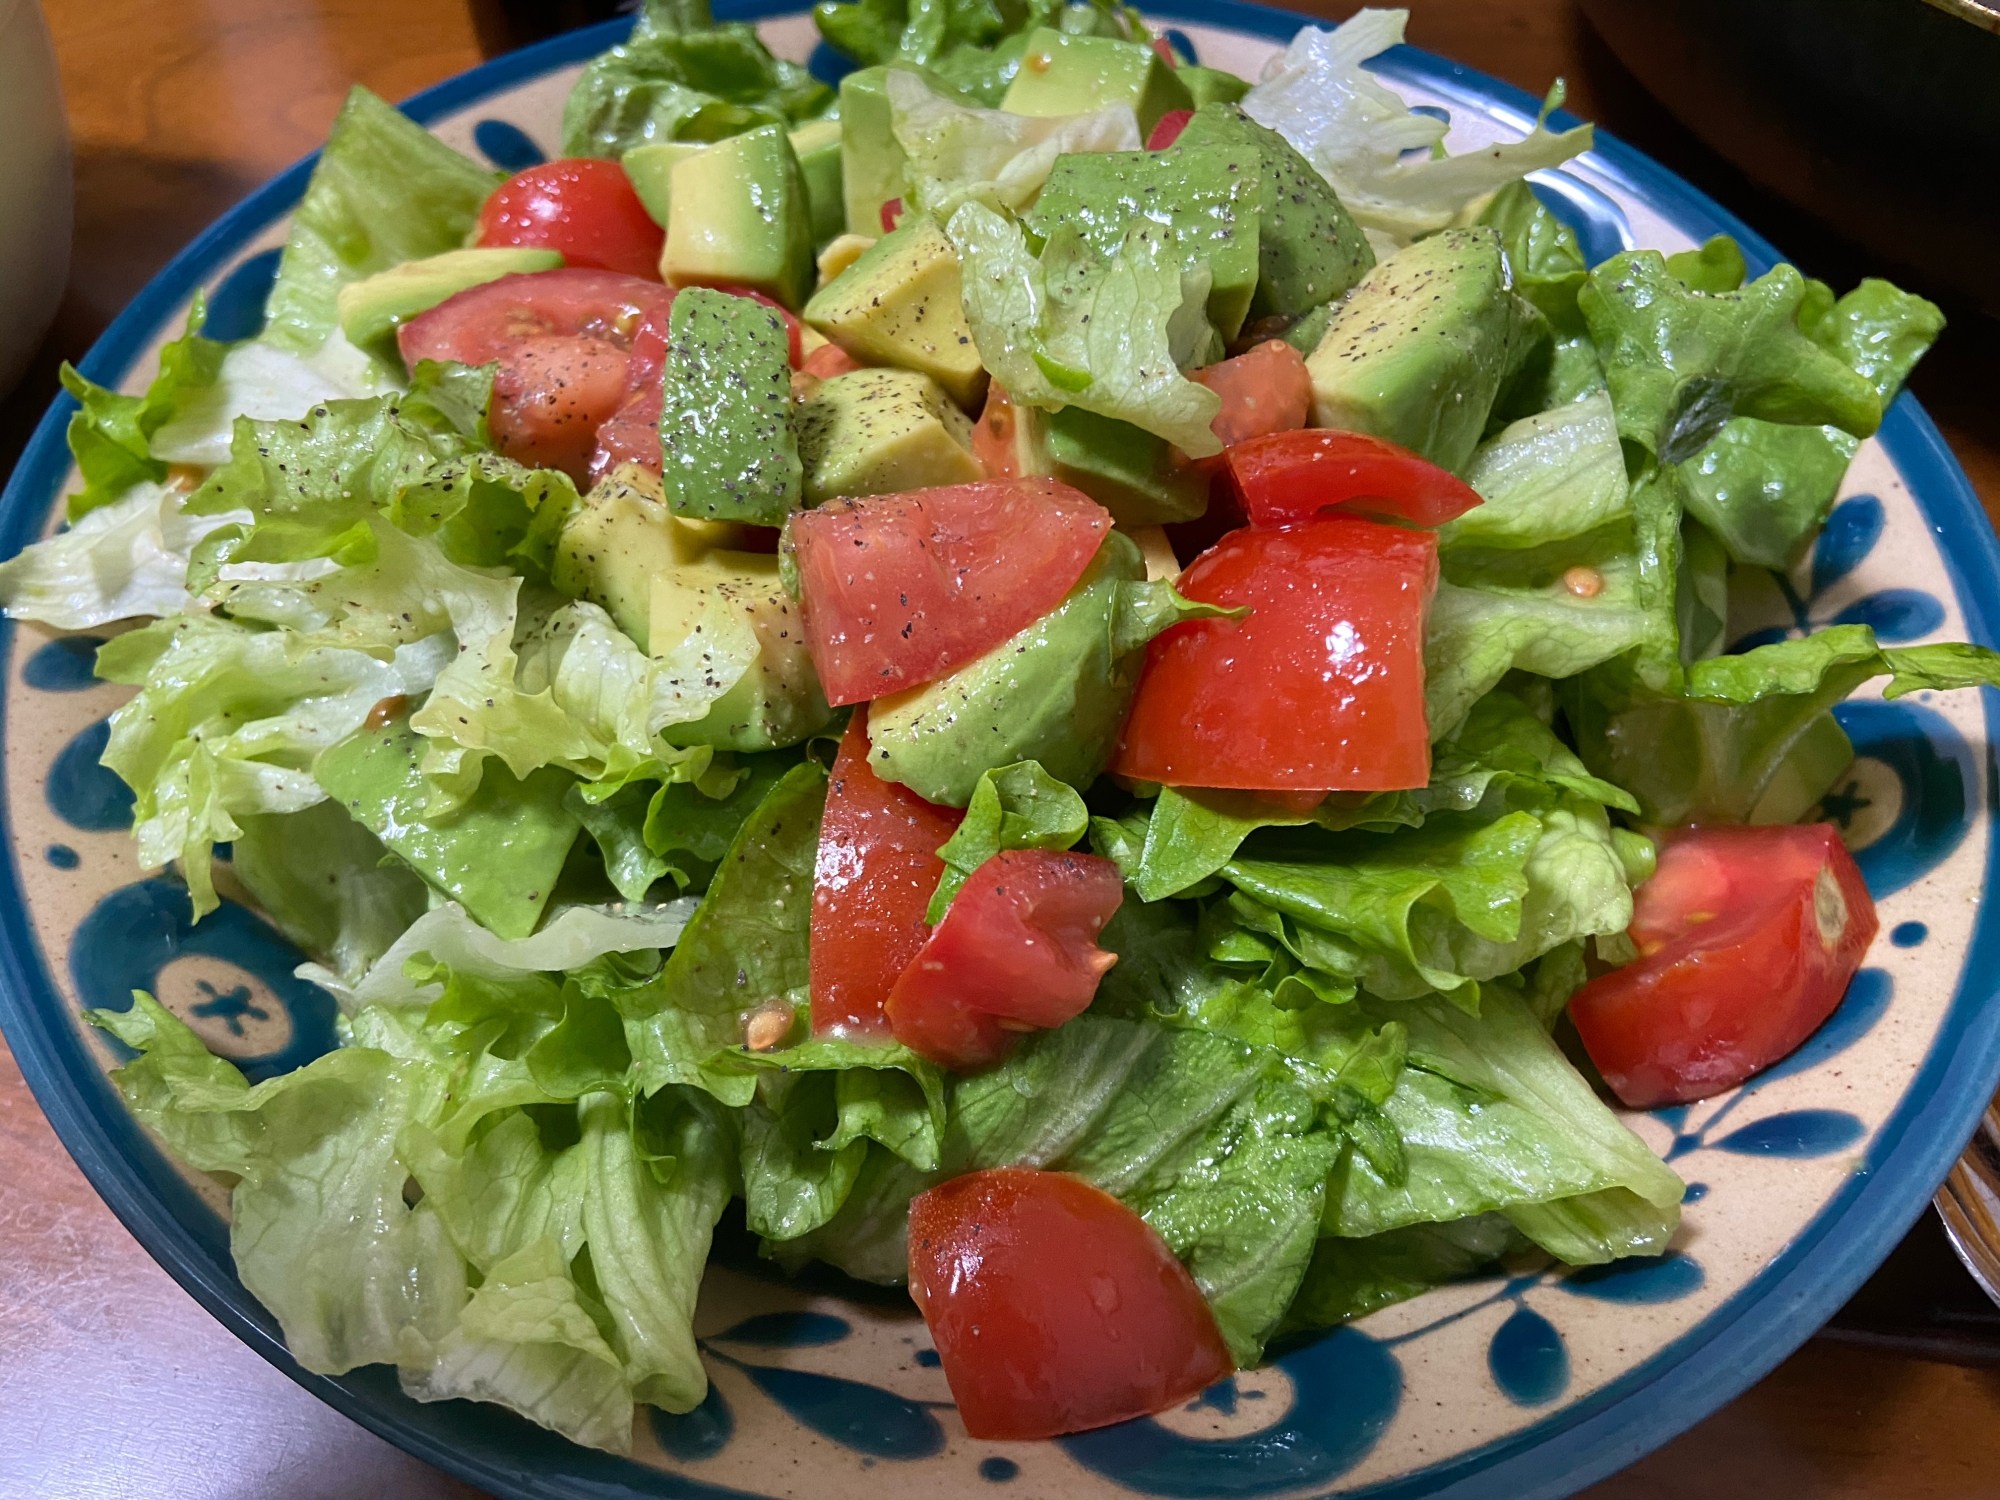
<point x="1015" y="807"/>
<point x="384" y="190"/>
<point x="975" y="47"/>
<point x="1350" y="1278"/>
<point x="681" y="77"/>
<point x="327" y="883"/>
<point x="1069" y="328"/>
<point x="1764" y="488"/>
<point x="1546" y="478"/>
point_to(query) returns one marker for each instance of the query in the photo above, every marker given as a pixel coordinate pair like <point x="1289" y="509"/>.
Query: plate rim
<point x="1709" y="1364"/>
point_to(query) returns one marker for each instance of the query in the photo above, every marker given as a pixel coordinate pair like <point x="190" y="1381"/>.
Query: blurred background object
<point x="503" y="25"/>
<point x="35" y="194"/>
<point x="1881" y="118"/>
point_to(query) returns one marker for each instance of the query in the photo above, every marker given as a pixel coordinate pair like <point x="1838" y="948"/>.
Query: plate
<point x="1515" y="1385"/>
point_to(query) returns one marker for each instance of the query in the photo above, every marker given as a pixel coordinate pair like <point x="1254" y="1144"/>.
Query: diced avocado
<point x="871" y="159"/>
<point x="1309" y="250"/>
<point x="899" y="305"/>
<point x="1305" y="334"/>
<point x="498" y="856"/>
<point x="373" y="308"/>
<point x="840" y="252"/>
<point x="1072" y="75"/>
<point x="1125" y="469"/>
<point x="1419" y="350"/>
<point x="622" y="537"/>
<point x="874" y="432"/>
<point x="726" y="447"/>
<point x="1212" y="85"/>
<point x="1157" y="548"/>
<point x="743" y="218"/>
<point x="1208" y="196"/>
<point x="651" y="170"/>
<point x="778" y="700"/>
<point x="1057" y="693"/>
<point x="817" y="146"/>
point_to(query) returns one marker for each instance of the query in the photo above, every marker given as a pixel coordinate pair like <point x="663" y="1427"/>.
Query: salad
<point x="1054" y="675"/>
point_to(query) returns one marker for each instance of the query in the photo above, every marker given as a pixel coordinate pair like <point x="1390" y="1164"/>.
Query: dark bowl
<point x="1879" y="117"/>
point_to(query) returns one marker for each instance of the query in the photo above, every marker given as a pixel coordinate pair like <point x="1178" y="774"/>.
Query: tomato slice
<point x="1167" y="129"/>
<point x="829" y="360"/>
<point x="1747" y="940"/>
<point x="1264" y="390"/>
<point x="478" y="325"/>
<point x="583" y="207"/>
<point x="897" y="590"/>
<point x="1016" y="952"/>
<point x="993" y="435"/>
<point x="1320" y="688"/>
<point x="1054" y="1307"/>
<point x="872" y="884"/>
<point x="1289" y="476"/>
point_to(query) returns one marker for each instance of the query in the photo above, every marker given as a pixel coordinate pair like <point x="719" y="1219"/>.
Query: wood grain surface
<point x="116" y="1385"/>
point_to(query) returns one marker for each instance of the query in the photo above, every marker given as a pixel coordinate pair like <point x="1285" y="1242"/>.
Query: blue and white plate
<point x="1512" y="1386"/>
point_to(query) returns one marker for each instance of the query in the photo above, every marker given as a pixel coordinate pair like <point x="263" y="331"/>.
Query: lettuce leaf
<point x="1880" y="332"/>
<point x="1545" y="478"/>
<point x="328" y="884"/>
<point x="1072" y="329"/>
<point x="1350" y="1278"/>
<point x="122" y="560"/>
<point x="1015" y="807"/>
<point x="261" y="381"/>
<point x="1358" y="133"/>
<point x="1764" y="488"/>
<point x="384" y="190"/>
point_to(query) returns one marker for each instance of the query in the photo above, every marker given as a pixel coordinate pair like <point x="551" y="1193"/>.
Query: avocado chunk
<point x="1207" y="197"/>
<point x="874" y="432"/>
<point x="623" y="536"/>
<point x="1125" y="469"/>
<point x="1309" y="250"/>
<point x="498" y="856"/>
<point x="1073" y="75"/>
<point x="1305" y="334"/>
<point x="817" y="146"/>
<point x="1419" y="351"/>
<point x="898" y="304"/>
<point x="650" y="169"/>
<point x="372" y="309"/>
<point x="1058" y="692"/>
<point x="726" y="447"/>
<point x="743" y="218"/>
<point x="1211" y="85"/>
<point x="777" y="701"/>
<point x="872" y="160"/>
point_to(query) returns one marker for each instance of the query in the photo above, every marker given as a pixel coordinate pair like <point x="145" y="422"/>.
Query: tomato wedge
<point x="1167" y="129"/>
<point x="1264" y="390"/>
<point x="585" y="208"/>
<point x="1321" y="688"/>
<point x="1747" y="938"/>
<point x="1291" y="476"/>
<point x="1054" y="1307"/>
<point x="1016" y="952"/>
<point x="897" y="590"/>
<point x="872" y="884"/>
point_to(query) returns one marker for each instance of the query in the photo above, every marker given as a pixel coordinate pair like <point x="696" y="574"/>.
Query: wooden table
<point x="115" y="1384"/>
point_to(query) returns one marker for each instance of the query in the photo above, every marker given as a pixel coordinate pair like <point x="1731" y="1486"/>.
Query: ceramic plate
<point x="1524" y="1385"/>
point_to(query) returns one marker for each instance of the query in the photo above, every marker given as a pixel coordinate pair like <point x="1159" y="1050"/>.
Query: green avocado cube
<point x="650" y="170"/>
<point x="726" y="446"/>
<point x="901" y="304"/>
<point x="739" y="216"/>
<point x="1212" y="85"/>
<point x="1207" y="196"/>
<point x="1125" y="469"/>
<point x="498" y="856"/>
<point x="1418" y="352"/>
<point x="1309" y="249"/>
<point x="871" y="158"/>
<point x="739" y="595"/>
<point x="817" y="146"/>
<point x="372" y="309"/>
<point x="1073" y="75"/>
<point x="876" y="432"/>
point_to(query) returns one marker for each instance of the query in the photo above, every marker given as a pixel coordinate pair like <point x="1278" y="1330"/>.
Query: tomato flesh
<point x="872" y="884"/>
<point x="897" y="590"/>
<point x="1017" y="951"/>
<point x="584" y="207"/>
<point x="1264" y="390"/>
<point x="1747" y="939"/>
<point x="1320" y="688"/>
<point x="993" y="435"/>
<point x="1054" y="1307"/>
<point x="1291" y="476"/>
<point x="829" y="360"/>
<point x="1167" y="129"/>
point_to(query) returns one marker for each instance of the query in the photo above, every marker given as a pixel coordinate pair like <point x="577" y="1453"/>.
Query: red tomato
<point x="1263" y="391"/>
<point x="1167" y="129"/>
<point x="872" y="883"/>
<point x="891" y="215"/>
<point x="1016" y="952"/>
<point x="551" y="395"/>
<point x="584" y="208"/>
<point x="899" y="589"/>
<point x="829" y="360"/>
<point x="1321" y="688"/>
<point x="1289" y="476"/>
<point x="1747" y="938"/>
<point x="993" y="435"/>
<point x="1054" y="1307"/>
